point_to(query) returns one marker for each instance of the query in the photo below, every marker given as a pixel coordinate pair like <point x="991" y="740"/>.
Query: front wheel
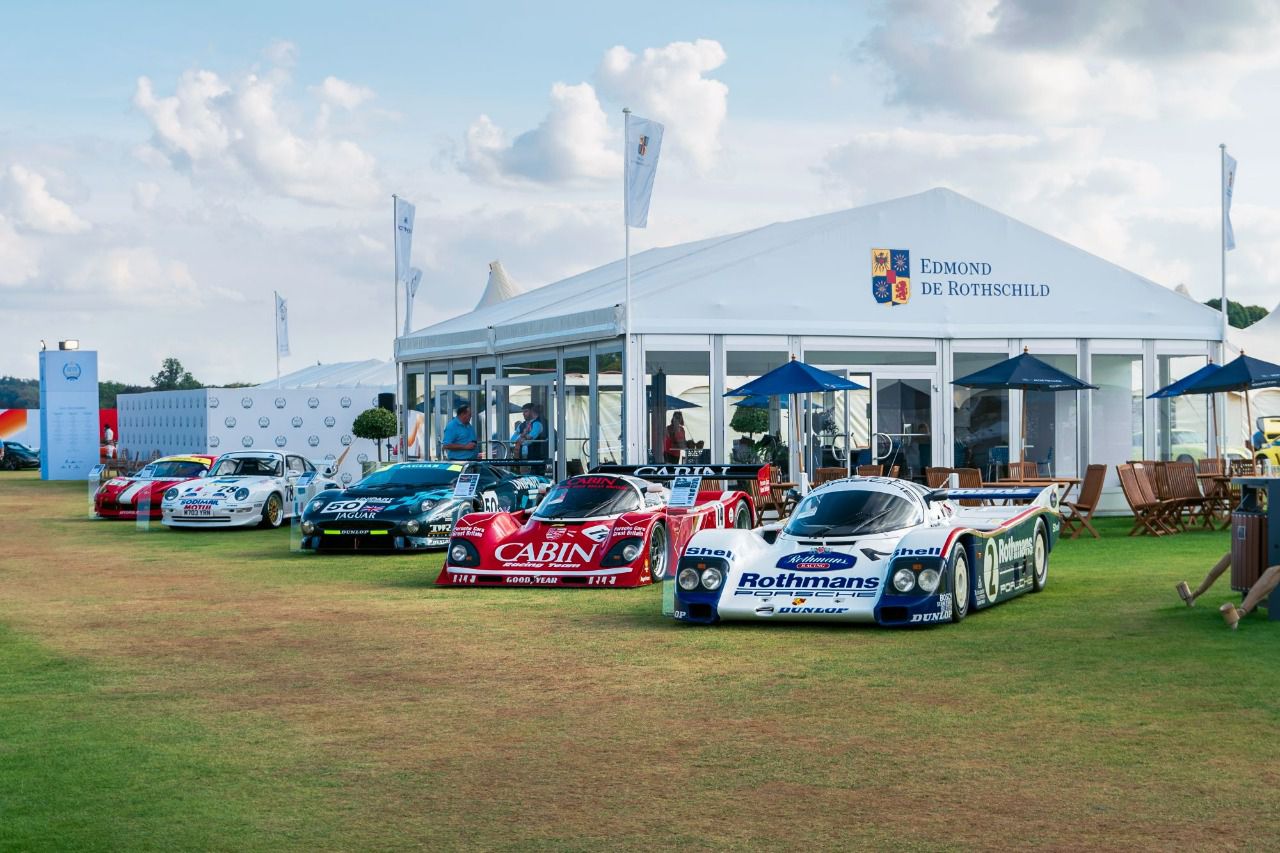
<point x="1040" y="559"/>
<point x="273" y="511"/>
<point x="658" y="553"/>
<point x="742" y="517"/>
<point x="959" y="583"/>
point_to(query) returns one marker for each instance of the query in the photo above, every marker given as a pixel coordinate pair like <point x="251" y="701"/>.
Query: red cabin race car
<point x="121" y="497"/>
<point x="611" y="527"/>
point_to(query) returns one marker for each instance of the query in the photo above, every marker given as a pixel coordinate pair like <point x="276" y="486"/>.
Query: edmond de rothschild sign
<point x="891" y="279"/>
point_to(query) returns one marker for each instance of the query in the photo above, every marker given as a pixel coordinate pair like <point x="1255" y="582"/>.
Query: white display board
<point x="312" y="422"/>
<point x="68" y="414"/>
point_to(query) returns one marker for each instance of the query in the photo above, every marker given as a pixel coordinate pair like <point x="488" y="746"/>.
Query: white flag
<point x="644" y="143"/>
<point x="404" y="236"/>
<point x="1228" y="186"/>
<point x="282" y="326"/>
<point x="411" y="282"/>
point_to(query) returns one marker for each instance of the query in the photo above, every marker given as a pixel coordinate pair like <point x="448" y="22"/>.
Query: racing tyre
<point x="742" y="516"/>
<point x="273" y="511"/>
<point x="959" y="574"/>
<point x="658" y="553"/>
<point x="9" y="464"/>
<point x="1040" y="559"/>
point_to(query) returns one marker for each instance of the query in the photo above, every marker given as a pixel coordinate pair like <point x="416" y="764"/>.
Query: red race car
<point x="121" y="497"/>
<point x="612" y="527"/>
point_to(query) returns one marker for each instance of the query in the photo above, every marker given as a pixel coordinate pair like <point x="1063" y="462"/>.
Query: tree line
<point x="18" y="393"/>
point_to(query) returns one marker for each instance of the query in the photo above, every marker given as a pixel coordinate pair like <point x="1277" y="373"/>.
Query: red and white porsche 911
<point x="125" y="497"/>
<point x="612" y="527"/>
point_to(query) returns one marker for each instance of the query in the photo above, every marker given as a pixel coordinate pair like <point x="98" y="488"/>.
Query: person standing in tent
<point x="675" y="440"/>
<point x="527" y="440"/>
<point x="459" y="439"/>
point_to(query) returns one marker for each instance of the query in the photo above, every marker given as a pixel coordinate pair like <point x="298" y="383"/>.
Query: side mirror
<point x="654" y="489"/>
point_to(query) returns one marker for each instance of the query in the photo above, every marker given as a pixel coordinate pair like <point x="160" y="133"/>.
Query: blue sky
<point x="166" y="166"/>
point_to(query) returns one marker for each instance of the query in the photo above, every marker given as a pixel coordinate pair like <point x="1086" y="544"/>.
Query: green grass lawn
<point x="213" y="690"/>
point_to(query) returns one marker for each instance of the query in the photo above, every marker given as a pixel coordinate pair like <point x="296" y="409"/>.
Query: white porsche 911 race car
<point x="242" y="489"/>
<point x="874" y="549"/>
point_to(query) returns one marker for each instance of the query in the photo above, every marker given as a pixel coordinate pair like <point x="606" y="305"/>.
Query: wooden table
<point x="1218" y="490"/>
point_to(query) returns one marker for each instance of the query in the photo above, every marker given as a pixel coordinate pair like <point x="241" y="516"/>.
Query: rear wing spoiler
<point x="658" y="472"/>
<point x="1046" y="496"/>
<point x="509" y="463"/>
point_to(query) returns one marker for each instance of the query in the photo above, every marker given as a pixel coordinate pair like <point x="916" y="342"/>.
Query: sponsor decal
<point x="595" y="483"/>
<point x="942" y="615"/>
<point x="1014" y="551"/>
<point x="682" y="470"/>
<point x="71" y="370"/>
<point x="698" y="551"/>
<point x="329" y="421"/>
<point x="629" y="532"/>
<point x="192" y="506"/>
<point x="568" y="554"/>
<point x="229" y="423"/>
<point x="372" y="506"/>
<point x="815" y="561"/>
<point x="469" y="532"/>
<point x="280" y="403"/>
<point x="296" y="421"/>
<point x="789" y="583"/>
<point x="246" y="402"/>
<point x="558" y="532"/>
<point x="313" y="402"/>
<point x="812" y="610"/>
<point x="917" y="552"/>
<point x="991" y="572"/>
<point x="264" y="422"/>
<point x="596" y="532"/>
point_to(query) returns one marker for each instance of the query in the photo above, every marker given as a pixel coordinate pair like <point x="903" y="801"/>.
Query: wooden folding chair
<point x="1024" y="470"/>
<point x="826" y="475"/>
<point x="894" y="471"/>
<point x="1164" y="512"/>
<point x="870" y="471"/>
<point x="1078" y="514"/>
<point x="936" y="478"/>
<point x="1145" y="512"/>
<point x="1184" y="486"/>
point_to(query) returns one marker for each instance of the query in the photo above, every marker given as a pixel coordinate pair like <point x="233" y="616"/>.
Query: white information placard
<point x="684" y="492"/>
<point x="68" y="414"/>
<point x="466" y="486"/>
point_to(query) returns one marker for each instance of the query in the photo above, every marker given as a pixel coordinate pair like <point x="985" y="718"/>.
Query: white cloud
<point x="212" y="128"/>
<point x="572" y="143"/>
<point x="1068" y="62"/>
<point x="576" y="142"/>
<point x="19" y="257"/>
<point x="37" y="208"/>
<point x="145" y="195"/>
<point x="669" y="84"/>
<point x="340" y="93"/>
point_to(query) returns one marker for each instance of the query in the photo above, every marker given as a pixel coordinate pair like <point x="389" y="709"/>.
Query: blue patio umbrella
<point x="1024" y="372"/>
<point x="1242" y="374"/>
<point x="673" y="402"/>
<point x="794" y="377"/>
<point x="1177" y="389"/>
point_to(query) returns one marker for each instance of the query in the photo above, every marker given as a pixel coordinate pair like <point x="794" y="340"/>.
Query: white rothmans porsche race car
<point x="242" y="489"/>
<point x="874" y="549"/>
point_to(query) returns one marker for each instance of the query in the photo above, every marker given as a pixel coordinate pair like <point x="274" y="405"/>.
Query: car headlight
<point x="426" y="506"/>
<point x="712" y="578"/>
<point x="411" y="527"/>
<point x="308" y="528"/>
<point x="316" y="506"/>
<point x="623" y="552"/>
<point x="170" y="494"/>
<point x="463" y="554"/>
<point x="928" y="580"/>
<point x="241" y="494"/>
<point x="688" y="579"/>
<point x="904" y="580"/>
<point x="630" y="551"/>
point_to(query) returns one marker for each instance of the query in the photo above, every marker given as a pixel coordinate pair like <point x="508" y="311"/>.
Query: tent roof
<point x="499" y="287"/>
<point x="1261" y="340"/>
<point x="789" y="276"/>
<point x="371" y="373"/>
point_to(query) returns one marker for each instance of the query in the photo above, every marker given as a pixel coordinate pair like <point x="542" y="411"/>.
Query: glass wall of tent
<point x="910" y="414"/>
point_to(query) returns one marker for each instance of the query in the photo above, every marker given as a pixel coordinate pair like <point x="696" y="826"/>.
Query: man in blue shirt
<point x="459" y="439"/>
<point x="527" y="439"/>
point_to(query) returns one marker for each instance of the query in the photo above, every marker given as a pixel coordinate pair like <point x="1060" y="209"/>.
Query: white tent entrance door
<point x="836" y="424"/>
<point x="444" y="407"/>
<point x="903" y="413"/>
<point x="527" y="423"/>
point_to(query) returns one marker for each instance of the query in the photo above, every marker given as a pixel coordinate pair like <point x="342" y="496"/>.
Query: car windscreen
<point x="247" y="466"/>
<point x="175" y="470"/>
<point x="419" y="476"/>
<point x="589" y="497"/>
<point x="852" y="512"/>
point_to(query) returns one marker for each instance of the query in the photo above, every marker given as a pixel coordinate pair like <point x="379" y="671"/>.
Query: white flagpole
<point x="395" y="282"/>
<point x="632" y="439"/>
<point x="275" y="315"/>
<point x="1222" y="302"/>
